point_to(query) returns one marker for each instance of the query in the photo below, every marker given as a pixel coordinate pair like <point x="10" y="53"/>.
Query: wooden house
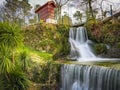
<point x="46" y="12"/>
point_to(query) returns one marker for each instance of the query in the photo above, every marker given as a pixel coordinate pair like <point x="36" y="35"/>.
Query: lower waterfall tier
<point x="76" y="77"/>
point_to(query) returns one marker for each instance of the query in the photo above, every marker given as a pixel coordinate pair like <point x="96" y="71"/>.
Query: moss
<point x="110" y="64"/>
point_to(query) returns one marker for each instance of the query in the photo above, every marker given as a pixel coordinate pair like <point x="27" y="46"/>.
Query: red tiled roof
<point x="49" y="2"/>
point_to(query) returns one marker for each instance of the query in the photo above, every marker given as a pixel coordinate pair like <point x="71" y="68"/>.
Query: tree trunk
<point x="90" y="7"/>
<point x="102" y="9"/>
<point x="59" y="11"/>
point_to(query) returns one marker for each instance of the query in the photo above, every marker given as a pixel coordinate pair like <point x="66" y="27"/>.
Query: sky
<point x="32" y="2"/>
<point x="1" y="1"/>
<point x="72" y="10"/>
<point x="41" y="2"/>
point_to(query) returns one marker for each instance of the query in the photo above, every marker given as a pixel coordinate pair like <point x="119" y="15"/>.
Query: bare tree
<point x="60" y="4"/>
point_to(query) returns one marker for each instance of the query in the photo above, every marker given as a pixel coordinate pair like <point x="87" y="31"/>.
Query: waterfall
<point x="76" y="77"/>
<point x="80" y="48"/>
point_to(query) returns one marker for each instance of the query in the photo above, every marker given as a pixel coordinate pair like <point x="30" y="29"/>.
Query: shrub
<point x="62" y="45"/>
<point x="100" y="48"/>
<point x="24" y="61"/>
<point x="15" y="80"/>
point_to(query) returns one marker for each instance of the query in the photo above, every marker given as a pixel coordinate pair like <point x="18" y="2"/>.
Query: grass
<point x="36" y="56"/>
<point x="42" y="57"/>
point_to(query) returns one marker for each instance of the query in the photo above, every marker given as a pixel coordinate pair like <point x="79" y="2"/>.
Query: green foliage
<point x="32" y="39"/>
<point x="78" y="15"/>
<point x="47" y="73"/>
<point x="49" y="38"/>
<point x="10" y="35"/>
<point x="24" y="61"/>
<point x="118" y="45"/>
<point x="17" y="14"/>
<point x="11" y="77"/>
<point x="45" y="56"/>
<point x="100" y="48"/>
<point x="110" y="33"/>
<point x="15" y="80"/>
<point x="6" y="64"/>
<point x="104" y="33"/>
<point x="92" y="27"/>
<point x="33" y="20"/>
<point x="62" y="42"/>
<point x="90" y="23"/>
<point x="65" y="20"/>
<point x="31" y="51"/>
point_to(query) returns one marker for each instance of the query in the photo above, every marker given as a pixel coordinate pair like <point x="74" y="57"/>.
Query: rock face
<point x="114" y="53"/>
<point x="111" y="53"/>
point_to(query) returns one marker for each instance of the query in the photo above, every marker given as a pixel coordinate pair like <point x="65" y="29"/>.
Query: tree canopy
<point x="15" y="11"/>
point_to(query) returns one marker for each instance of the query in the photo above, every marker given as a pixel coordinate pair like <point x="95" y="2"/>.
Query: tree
<point x="65" y="20"/>
<point x="37" y="6"/>
<point x="34" y="18"/>
<point x="26" y="7"/>
<point x="78" y="16"/>
<point x="60" y="4"/>
<point x="88" y="4"/>
<point x="89" y="7"/>
<point x="101" y="8"/>
<point x="18" y="13"/>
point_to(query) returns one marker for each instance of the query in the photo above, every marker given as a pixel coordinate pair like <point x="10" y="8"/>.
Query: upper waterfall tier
<point x="80" y="48"/>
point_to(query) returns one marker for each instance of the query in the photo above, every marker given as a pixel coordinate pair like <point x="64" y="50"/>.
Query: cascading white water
<point x="79" y="42"/>
<point x="76" y="77"/>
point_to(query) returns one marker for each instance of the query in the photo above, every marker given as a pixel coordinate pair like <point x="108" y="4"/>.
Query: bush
<point x="46" y="75"/>
<point x="100" y="48"/>
<point x="15" y="80"/>
<point x="63" y="45"/>
<point x="24" y="61"/>
<point x="93" y="29"/>
<point x="110" y="33"/>
<point x="50" y="38"/>
<point x="11" y="78"/>
<point x="118" y="45"/>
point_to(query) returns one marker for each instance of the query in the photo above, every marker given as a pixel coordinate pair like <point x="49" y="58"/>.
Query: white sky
<point x="41" y="2"/>
<point x="1" y="1"/>
<point x="32" y="2"/>
<point x="72" y="10"/>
